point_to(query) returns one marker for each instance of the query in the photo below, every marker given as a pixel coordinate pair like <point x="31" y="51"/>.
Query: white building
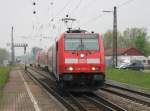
<point x="126" y="55"/>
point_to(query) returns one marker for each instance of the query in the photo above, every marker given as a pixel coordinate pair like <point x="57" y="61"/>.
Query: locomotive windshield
<point x="81" y="43"/>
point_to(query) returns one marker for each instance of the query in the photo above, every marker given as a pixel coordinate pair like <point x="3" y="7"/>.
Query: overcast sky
<point x="38" y="29"/>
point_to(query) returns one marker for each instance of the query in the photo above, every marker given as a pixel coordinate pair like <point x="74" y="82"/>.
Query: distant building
<point x="126" y="55"/>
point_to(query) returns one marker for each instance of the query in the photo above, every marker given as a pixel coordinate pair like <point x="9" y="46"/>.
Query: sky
<point x="42" y="28"/>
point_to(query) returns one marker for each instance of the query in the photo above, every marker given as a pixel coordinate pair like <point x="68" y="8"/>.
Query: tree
<point x="4" y="55"/>
<point x="120" y="40"/>
<point x="131" y="37"/>
<point x="147" y="48"/>
<point x="137" y="38"/>
<point x="108" y="39"/>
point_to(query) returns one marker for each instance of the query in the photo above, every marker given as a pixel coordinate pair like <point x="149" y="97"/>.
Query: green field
<point x="136" y="78"/>
<point x="4" y="75"/>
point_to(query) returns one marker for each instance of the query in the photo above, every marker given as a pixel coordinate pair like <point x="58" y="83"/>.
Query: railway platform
<point x="22" y="94"/>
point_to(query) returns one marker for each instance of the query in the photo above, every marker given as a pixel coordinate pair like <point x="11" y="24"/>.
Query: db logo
<point x="82" y="60"/>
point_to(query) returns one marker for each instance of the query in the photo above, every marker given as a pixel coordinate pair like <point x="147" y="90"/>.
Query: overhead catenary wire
<point x="55" y="18"/>
<point x="89" y="3"/>
<point x="65" y="6"/>
<point x="52" y="9"/>
<point x="62" y="9"/>
<point x="37" y="28"/>
<point x="125" y="3"/>
<point x="76" y="7"/>
<point x="92" y="20"/>
<point x="85" y="6"/>
<point x="34" y="4"/>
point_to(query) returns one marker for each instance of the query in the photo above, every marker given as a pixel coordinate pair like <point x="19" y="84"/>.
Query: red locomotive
<point x="77" y="60"/>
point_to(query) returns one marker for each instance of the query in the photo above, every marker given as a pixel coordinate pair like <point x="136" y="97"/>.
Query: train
<point x="76" y="59"/>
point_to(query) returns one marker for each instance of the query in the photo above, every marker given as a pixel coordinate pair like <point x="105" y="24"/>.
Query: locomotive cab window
<point x="90" y="44"/>
<point x="83" y="43"/>
<point x="72" y="44"/>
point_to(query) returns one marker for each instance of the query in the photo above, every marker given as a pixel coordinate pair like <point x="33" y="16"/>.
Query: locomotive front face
<point x="82" y="53"/>
<point x="83" y="58"/>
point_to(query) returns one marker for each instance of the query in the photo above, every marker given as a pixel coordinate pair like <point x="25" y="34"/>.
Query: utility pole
<point x="12" y="47"/>
<point x="115" y="37"/>
<point x="114" y="47"/>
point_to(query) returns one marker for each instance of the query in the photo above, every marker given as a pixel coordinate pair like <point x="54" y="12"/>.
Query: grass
<point x="4" y="75"/>
<point x="136" y="78"/>
<point x="1" y="94"/>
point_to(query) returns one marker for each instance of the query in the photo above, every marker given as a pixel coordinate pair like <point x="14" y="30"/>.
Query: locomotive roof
<point x="81" y="35"/>
<point x="76" y="31"/>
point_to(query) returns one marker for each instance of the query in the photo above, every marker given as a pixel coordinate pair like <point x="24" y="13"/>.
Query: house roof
<point x="124" y="51"/>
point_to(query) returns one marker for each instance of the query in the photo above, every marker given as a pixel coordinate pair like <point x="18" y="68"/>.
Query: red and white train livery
<point x="77" y="60"/>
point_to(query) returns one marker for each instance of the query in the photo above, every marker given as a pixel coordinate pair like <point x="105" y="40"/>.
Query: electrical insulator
<point x="52" y="20"/>
<point x="67" y="15"/>
<point x="34" y="3"/>
<point x="51" y="3"/>
<point x="34" y="12"/>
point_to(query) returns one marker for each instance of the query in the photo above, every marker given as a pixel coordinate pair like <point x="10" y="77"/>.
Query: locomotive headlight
<point x="70" y="68"/>
<point x="81" y="55"/>
<point x="93" y="68"/>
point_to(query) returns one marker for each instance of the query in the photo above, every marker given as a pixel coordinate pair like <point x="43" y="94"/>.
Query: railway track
<point x="51" y="91"/>
<point x="74" y="101"/>
<point x="128" y="93"/>
<point x="43" y="73"/>
<point x="99" y="102"/>
<point x="142" y="93"/>
<point x="103" y="101"/>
